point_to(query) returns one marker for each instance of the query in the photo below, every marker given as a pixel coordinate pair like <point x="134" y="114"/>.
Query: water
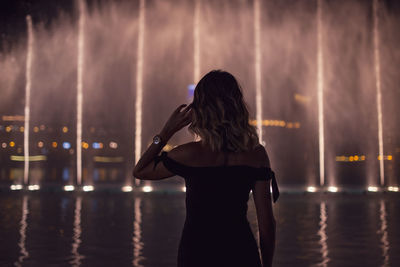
<point x="124" y="229"/>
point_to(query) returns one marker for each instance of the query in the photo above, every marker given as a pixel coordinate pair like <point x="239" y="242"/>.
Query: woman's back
<point x="217" y="190"/>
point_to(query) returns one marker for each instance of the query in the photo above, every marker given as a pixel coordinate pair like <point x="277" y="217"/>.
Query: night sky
<point x="13" y="12"/>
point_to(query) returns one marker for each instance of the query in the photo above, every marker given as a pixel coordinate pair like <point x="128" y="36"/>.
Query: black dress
<point x="216" y="232"/>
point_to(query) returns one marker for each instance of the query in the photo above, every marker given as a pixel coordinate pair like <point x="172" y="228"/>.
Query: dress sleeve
<point x="171" y="165"/>
<point x="270" y="175"/>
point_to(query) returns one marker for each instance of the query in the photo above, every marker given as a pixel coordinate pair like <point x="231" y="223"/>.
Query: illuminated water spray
<point x="320" y="88"/>
<point x="257" y="67"/>
<point x="196" y="38"/>
<point x="378" y="91"/>
<point x="139" y="84"/>
<point x="27" y="109"/>
<point x="81" y="41"/>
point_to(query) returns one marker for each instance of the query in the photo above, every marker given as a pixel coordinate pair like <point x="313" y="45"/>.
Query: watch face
<point x="156" y="139"/>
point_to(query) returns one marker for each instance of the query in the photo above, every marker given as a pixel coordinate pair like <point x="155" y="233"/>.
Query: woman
<point x="220" y="170"/>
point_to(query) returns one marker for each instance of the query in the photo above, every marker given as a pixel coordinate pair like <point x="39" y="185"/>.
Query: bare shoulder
<point x="185" y="153"/>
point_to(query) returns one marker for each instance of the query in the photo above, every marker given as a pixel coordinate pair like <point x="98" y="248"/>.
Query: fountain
<point x="320" y="95"/>
<point x="79" y="93"/>
<point x="257" y="68"/>
<point x="377" y="68"/>
<point x="27" y="110"/>
<point x="309" y="83"/>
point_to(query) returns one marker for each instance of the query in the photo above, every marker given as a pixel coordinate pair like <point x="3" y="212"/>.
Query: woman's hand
<point x="179" y="119"/>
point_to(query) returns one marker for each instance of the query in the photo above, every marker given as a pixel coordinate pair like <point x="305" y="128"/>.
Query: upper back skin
<point x="196" y="154"/>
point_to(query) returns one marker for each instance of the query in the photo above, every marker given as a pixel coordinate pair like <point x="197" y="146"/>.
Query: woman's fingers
<point x="179" y="109"/>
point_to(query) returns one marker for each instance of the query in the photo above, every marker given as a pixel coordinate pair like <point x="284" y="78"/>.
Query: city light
<point x="97" y="145"/>
<point x="85" y="145"/>
<point x="12" y="144"/>
<point x="65" y="129"/>
<point x="147" y="188"/>
<point x="40" y="144"/>
<point x="372" y="189"/>
<point x="36" y="129"/>
<point x="113" y="145"/>
<point x="69" y="188"/>
<point x="66" y="145"/>
<point x="393" y="189"/>
<point x="388" y="157"/>
<point x="16" y="187"/>
<point x="30" y="158"/>
<point x="8" y="129"/>
<point x="33" y="187"/>
<point x="54" y="144"/>
<point x="183" y="188"/>
<point x="88" y="188"/>
<point x="4" y="145"/>
<point x="311" y="189"/>
<point x="108" y="159"/>
<point x="353" y="158"/>
<point x="127" y="188"/>
<point x="21" y="129"/>
<point x="332" y="189"/>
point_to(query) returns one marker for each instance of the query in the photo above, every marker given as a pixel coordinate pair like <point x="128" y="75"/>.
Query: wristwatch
<point x="157" y="139"/>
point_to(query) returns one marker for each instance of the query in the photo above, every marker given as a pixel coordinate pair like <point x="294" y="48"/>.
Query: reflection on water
<point x="137" y="233"/>
<point x="76" y="261"/>
<point x="22" y="232"/>
<point x="384" y="234"/>
<point x="143" y="230"/>
<point x="322" y="234"/>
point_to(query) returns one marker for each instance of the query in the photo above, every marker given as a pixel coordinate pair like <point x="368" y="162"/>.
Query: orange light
<point x="21" y="129"/>
<point x="54" y="144"/>
<point x="65" y="129"/>
<point x="8" y="129"/>
<point x="36" y="129"/>
<point x="390" y="157"/>
<point x="12" y="144"/>
<point x="356" y="158"/>
<point x="85" y="145"/>
<point x="351" y="158"/>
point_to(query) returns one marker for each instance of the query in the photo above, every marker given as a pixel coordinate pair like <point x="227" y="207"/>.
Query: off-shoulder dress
<point x="216" y="232"/>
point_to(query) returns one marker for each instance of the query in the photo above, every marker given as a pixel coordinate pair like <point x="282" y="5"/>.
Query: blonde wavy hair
<point x="220" y="116"/>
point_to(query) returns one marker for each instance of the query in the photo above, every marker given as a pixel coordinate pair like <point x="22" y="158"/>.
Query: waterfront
<point x="143" y="229"/>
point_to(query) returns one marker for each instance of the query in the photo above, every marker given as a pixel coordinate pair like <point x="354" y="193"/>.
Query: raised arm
<point x="144" y="169"/>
